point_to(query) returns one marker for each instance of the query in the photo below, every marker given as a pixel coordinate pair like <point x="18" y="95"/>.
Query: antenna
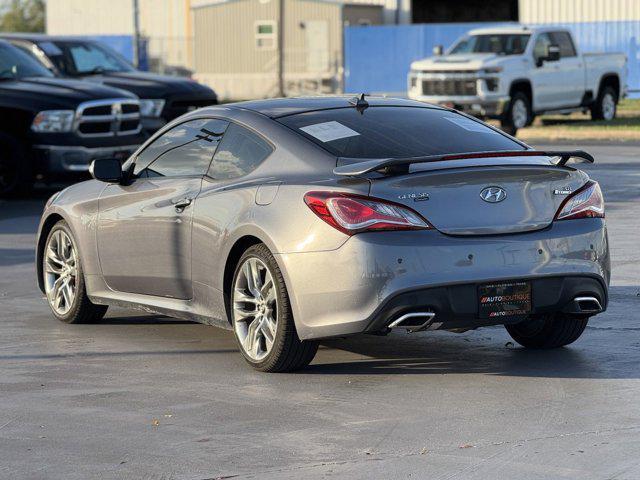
<point x="360" y="103"/>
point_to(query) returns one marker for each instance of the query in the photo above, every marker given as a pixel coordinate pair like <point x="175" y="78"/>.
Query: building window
<point x="265" y="34"/>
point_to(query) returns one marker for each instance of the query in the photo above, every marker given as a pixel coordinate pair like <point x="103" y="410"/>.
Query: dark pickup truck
<point x="53" y="127"/>
<point x="162" y="97"/>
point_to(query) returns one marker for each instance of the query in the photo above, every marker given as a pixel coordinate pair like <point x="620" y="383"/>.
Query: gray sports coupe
<point x="294" y="220"/>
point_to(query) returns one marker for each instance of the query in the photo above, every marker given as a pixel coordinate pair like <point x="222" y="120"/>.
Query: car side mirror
<point x="553" y="53"/>
<point x="437" y="50"/>
<point x="106" y="170"/>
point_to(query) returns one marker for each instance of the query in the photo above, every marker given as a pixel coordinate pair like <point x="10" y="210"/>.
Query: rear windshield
<point x="396" y="132"/>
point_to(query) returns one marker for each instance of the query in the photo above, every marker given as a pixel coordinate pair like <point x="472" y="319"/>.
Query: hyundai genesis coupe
<point x="288" y="221"/>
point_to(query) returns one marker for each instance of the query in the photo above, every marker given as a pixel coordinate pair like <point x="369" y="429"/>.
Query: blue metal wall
<point x="377" y="58"/>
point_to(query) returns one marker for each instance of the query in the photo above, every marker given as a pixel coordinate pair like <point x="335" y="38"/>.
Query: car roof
<point x="43" y="37"/>
<point x="510" y="29"/>
<point x="280" y="107"/>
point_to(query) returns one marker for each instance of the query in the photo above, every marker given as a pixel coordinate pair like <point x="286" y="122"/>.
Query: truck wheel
<point x="15" y="168"/>
<point x="261" y="315"/>
<point x="606" y="105"/>
<point x="517" y="114"/>
<point x="548" y="331"/>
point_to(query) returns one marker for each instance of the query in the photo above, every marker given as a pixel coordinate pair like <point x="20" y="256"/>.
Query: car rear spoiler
<point x="392" y="166"/>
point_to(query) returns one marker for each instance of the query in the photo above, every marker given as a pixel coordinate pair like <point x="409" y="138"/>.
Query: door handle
<point x="183" y="203"/>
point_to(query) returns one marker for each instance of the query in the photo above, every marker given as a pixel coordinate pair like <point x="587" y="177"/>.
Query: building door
<point x="317" y="41"/>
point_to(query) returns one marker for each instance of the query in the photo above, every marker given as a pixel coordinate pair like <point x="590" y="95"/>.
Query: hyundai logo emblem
<point x="493" y="194"/>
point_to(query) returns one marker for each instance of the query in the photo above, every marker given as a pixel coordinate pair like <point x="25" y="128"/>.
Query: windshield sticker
<point x="471" y="125"/>
<point x="329" y="131"/>
<point x="50" y="49"/>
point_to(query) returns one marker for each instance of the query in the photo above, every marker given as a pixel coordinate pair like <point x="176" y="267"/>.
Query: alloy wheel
<point x="519" y="113"/>
<point x="60" y="272"/>
<point x="255" y="308"/>
<point x="608" y="107"/>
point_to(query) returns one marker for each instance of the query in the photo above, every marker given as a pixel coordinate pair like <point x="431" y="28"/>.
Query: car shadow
<point x="143" y="320"/>
<point x="440" y="355"/>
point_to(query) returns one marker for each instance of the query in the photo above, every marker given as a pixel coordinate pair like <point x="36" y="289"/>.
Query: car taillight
<point x="586" y="202"/>
<point x="354" y="213"/>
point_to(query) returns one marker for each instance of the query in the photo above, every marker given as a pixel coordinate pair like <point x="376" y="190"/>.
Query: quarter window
<point x="185" y="150"/>
<point x="240" y="152"/>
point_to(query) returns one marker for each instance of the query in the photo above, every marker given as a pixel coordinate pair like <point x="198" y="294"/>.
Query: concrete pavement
<point x="140" y="396"/>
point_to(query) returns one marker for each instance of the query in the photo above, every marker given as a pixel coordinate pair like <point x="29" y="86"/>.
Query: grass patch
<point x="579" y="126"/>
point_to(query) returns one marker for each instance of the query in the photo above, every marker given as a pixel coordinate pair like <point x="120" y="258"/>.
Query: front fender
<point x="78" y="207"/>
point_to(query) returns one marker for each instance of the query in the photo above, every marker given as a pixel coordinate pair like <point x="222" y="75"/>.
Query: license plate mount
<point x="504" y="299"/>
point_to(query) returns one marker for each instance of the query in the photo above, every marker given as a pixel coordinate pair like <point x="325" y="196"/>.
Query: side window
<point x="186" y="149"/>
<point x="540" y="48"/>
<point x="240" y="152"/>
<point x="564" y="41"/>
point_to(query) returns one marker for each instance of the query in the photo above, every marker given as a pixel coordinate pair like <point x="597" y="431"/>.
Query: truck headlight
<point x="492" y="84"/>
<point x="49" y="121"/>
<point x="151" y="107"/>
<point x="491" y="70"/>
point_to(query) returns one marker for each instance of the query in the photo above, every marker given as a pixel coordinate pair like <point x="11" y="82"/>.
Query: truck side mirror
<point x="106" y="170"/>
<point x="437" y="50"/>
<point x="553" y="53"/>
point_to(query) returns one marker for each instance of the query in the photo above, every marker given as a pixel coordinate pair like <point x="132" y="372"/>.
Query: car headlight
<point x="53" y="121"/>
<point x="151" y="107"/>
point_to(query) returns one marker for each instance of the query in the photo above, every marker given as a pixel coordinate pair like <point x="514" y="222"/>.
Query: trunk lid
<point x="450" y="199"/>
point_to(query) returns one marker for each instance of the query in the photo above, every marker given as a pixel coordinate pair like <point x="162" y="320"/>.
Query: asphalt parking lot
<point x="141" y="396"/>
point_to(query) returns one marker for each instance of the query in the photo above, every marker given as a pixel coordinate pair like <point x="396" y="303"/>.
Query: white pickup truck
<point x="515" y="73"/>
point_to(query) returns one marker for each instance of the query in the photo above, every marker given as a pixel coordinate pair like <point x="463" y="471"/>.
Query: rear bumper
<point x="456" y="306"/>
<point x="373" y="277"/>
<point x="75" y="159"/>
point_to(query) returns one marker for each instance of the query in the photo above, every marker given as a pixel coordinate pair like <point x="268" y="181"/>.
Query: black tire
<point x="16" y="177"/>
<point x="532" y="118"/>
<point x="549" y="331"/>
<point x="82" y="310"/>
<point x="600" y="110"/>
<point x="511" y="122"/>
<point x="288" y="352"/>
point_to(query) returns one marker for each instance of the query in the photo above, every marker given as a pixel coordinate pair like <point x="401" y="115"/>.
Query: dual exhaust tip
<point x="418" y="321"/>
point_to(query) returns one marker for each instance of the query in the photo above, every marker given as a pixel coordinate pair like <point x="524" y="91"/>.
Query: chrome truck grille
<point x="108" y="118"/>
<point x="449" y="87"/>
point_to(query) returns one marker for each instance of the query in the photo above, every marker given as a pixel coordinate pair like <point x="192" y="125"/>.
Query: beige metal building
<point x="549" y="11"/>
<point x="165" y="24"/>
<point x="236" y="45"/>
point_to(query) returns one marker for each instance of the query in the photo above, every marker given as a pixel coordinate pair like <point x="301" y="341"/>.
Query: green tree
<point x="22" y="16"/>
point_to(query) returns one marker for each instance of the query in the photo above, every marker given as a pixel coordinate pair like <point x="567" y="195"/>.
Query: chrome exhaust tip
<point x="414" y="322"/>
<point x="587" y="304"/>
